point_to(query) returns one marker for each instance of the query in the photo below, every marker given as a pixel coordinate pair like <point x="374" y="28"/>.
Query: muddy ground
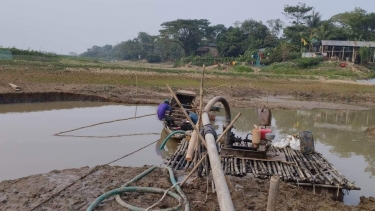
<point x="247" y="193"/>
<point x="112" y="86"/>
<point x="115" y="86"/>
<point x="370" y="131"/>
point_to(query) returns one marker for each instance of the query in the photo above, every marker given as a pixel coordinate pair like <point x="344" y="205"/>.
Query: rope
<point x="115" y="136"/>
<point x="100" y="123"/>
<point x="90" y="172"/>
<point x="165" y="193"/>
<point x="206" y="194"/>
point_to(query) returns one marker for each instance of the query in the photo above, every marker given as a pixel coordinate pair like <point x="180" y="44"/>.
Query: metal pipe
<point x="222" y="190"/>
<point x="228" y="117"/>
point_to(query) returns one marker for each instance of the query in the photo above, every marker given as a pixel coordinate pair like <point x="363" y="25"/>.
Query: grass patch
<point x="326" y="69"/>
<point x="243" y="69"/>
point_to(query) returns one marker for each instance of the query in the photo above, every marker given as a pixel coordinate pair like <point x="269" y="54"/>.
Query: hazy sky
<point x="63" y="26"/>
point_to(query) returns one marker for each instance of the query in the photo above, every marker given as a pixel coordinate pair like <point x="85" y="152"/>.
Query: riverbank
<point x="247" y="193"/>
<point x="140" y="87"/>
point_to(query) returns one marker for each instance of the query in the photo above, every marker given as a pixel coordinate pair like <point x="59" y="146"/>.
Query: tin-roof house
<point x="346" y="50"/>
<point x="210" y="48"/>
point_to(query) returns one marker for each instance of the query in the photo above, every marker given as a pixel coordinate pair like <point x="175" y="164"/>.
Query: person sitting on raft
<point x="185" y="125"/>
<point x="193" y="116"/>
<point x="162" y="108"/>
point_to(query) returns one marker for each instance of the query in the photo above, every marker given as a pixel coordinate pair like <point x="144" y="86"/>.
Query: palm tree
<point x="324" y="31"/>
<point x="314" y="21"/>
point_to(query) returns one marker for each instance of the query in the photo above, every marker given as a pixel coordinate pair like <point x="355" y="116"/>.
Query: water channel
<point x="27" y="144"/>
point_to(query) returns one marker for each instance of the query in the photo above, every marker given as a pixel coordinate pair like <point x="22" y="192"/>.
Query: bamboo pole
<point x="235" y="166"/>
<point x="218" y="140"/>
<point x="194" y="137"/>
<point x="256" y="167"/>
<point x="300" y="173"/>
<point x="196" y="129"/>
<point x="275" y="169"/>
<point x="273" y="193"/>
<point x="244" y="167"/>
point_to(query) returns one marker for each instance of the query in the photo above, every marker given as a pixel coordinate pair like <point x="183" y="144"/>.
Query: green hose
<point x="136" y="189"/>
<point x="184" y="197"/>
<point x="169" y="136"/>
<point x="143" y="189"/>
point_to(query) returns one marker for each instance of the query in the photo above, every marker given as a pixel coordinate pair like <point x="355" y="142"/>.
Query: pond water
<point x="338" y="135"/>
<point x="370" y="81"/>
<point x="27" y="144"/>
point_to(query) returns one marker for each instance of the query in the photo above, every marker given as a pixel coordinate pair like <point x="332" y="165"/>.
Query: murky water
<point x="339" y="137"/>
<point x="370" y="81"/>
<point x="27" y="144"/>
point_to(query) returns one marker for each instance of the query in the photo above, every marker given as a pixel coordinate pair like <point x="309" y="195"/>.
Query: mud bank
<point x="237" y="97"/>
<point x="248" y="193"/>
<point x="48" y="97"/>
<point x="122" y="87"/>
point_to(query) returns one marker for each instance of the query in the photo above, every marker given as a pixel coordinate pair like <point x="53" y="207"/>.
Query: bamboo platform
<point x="303" y="170"/>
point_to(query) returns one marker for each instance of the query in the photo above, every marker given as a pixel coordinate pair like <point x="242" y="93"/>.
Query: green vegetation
<point x="153" y="58"/>
<point x="312" y="67"/>
<point x="178" y="41"/>
<point x="243" y="69"/>
<point x="302" y="68"/>
<point x="181" y="38"/>
<point x="365" y="54"/>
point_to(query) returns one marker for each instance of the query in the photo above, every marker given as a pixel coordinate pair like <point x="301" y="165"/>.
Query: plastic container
<point x="306" y="142"/>
<point x="255" y="137"/>
<point x="263" y="132"/>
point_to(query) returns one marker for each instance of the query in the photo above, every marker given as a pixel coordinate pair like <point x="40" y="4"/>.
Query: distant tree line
<point x="181" y="38"/>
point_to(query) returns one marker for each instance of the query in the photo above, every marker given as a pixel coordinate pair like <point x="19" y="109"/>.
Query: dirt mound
<point x="247" y="193"/>
<point x="370" y="131"/>
<point x="367" y="203"/>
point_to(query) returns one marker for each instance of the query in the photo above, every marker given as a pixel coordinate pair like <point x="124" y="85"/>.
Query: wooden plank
<point x="242" y="153"/>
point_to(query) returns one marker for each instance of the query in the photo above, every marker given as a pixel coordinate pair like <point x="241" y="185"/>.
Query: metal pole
<point x="227" y="114"/>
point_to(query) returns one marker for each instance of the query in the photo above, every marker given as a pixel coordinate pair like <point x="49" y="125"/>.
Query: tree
<point x="187" y="33"/>
<point x="324" y="31"/>
<point x="314" y="21"/>
<point x="365" y="54"/>
<point x="357" y="23"/>
<point x="127" y="50"/>
<point x="293" y="33"/>
<point x="212" y="32"/>
<point x="99" y="52"/>
<point x="283" y="52"/>
<point x="146" y="43"/>
<point x="297" y="13"/>
<point x="256" y="33"/>
<point x="231" y="42"/>
<point x="167" y="49"/>
<point x="275" y="26"/>
<point x="237" y="24"/>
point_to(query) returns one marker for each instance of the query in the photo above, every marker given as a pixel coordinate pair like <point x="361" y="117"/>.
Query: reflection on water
<point x="339" y="137"/>
<point x="370" y="81"/>
<point x="27" y="144"/>
<point x="34" y="107"/>
<point x="28" y="147"/>
<point x="169" y="148"/>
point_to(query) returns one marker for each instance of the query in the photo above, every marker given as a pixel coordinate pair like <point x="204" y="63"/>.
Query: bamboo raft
<point x="304" y="170"/>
